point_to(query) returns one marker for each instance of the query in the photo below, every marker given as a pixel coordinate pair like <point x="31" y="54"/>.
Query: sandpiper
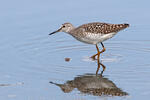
<point x="92" y="33"/>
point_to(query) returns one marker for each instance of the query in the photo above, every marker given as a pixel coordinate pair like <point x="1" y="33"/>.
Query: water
<point x="31" y="60"/>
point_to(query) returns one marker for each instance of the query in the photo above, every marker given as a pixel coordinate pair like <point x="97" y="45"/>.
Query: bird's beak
<point x="56" y="84"/>
<point x="55" y="31"/>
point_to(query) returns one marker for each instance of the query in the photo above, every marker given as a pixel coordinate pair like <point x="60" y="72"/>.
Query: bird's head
<point x="66" y="27"/>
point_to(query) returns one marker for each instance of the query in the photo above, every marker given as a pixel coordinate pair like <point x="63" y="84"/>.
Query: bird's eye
<point x="63" y="26"/>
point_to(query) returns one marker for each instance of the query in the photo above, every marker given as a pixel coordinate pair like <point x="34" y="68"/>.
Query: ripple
<point x="44" y="56"/>
<point x="60" y="45"/>
<point x="18" y="83"/>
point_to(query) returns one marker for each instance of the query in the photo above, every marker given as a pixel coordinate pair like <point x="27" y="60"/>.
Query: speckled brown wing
<point x="103" y="28"/>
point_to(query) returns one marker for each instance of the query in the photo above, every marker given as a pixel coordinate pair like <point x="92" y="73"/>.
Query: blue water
<point x="30" y="58"/>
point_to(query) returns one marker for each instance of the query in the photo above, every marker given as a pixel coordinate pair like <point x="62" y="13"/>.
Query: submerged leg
<point x="98" y="52"/>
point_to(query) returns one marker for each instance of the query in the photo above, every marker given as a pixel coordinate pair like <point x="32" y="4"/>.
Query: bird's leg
<point x="98" y="52"/>
<point x="93" y="57"/>
<point x="103" y="50"/>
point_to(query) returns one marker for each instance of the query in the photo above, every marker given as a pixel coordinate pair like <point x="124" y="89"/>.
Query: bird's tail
<point x="119" y="27"/>
<point x="126" y="25"/>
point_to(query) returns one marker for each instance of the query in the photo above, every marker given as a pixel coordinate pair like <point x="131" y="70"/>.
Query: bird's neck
<point x="70" y="30"/>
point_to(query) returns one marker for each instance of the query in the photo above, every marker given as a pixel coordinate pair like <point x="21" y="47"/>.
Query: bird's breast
<point x="92" y="38"/>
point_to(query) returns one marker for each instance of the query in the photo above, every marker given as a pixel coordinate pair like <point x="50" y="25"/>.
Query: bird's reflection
<point x="99" y="64"/>
<point x="94" y="84"/>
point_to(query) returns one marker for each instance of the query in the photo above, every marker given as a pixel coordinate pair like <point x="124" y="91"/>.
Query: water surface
<point x="31" y="60"/>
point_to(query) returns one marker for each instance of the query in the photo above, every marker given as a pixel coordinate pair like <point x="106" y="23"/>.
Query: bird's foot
<point x="98" y="54"/>
<point x="93" y="57"/>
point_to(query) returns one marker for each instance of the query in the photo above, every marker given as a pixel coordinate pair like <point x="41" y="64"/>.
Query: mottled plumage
<point x="94" y="33"/>
<point x="102" y="28"/>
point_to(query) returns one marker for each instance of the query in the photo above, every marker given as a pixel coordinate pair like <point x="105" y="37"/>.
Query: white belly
<point x="96" y="38"/>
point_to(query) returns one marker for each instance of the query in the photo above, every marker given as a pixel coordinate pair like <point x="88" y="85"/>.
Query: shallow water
<point x="31" y="59"/>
